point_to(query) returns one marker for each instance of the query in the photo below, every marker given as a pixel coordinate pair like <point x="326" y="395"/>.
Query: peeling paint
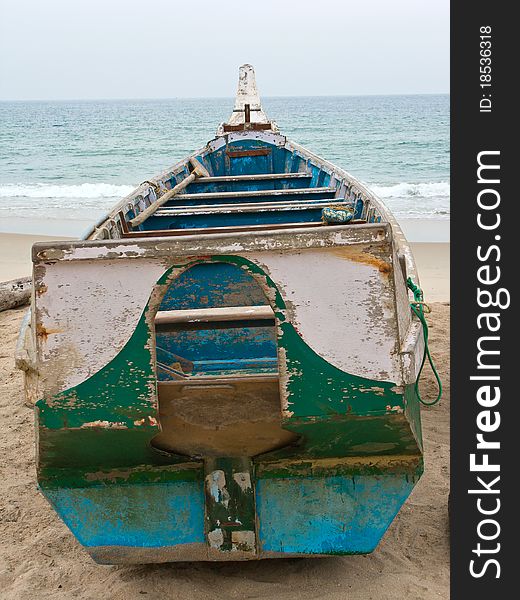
<point x="216" y="482"/>
<point x="243" y="480"/>
<point x="395" y="409"/>
<point x="105" y="424"/>
<point x="216" y="538"/>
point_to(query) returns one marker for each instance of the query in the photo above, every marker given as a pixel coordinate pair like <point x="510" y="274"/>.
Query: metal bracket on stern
<point x="230" y="505"/>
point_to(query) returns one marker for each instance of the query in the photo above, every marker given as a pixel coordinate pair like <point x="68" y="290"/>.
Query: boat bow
<point x="248" y="113"/>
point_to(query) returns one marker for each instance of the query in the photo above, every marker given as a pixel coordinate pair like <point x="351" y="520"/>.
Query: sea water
<point x="64" y="164"/>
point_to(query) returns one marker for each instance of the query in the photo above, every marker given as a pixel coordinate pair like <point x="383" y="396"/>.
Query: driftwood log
<point x="14" y="293"/>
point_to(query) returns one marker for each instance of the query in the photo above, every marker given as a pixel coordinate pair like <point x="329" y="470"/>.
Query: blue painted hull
<point x="159" y="523"/>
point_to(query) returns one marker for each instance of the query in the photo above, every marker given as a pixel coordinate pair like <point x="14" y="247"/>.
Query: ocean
<point x="64" y="164"/>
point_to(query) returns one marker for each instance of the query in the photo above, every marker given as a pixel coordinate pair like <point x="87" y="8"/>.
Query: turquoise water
<point x="63" y="164"/>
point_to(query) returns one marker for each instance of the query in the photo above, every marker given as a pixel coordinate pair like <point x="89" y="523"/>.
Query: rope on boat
<point x="153" y="185"/>
<point x="419" y="308"/>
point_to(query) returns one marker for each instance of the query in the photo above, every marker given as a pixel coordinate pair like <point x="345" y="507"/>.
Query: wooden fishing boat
<point x="224" y="367"/>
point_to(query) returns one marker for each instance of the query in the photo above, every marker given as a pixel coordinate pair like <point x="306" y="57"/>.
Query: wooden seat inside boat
<point x="266" y="195"/>
<point x="217" y="367"/>
<point x="234" y="203"/>
<point x="214" y="318"/>
<point x="237" y="215"/>
<point x="262" y="181"/>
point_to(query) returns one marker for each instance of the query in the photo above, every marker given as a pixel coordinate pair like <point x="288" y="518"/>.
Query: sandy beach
<point x="15" y="253"/>
<point x="39" y="558"/>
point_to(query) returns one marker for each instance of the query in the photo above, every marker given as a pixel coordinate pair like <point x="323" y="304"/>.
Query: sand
<point x="424" y="230"/>
<point x="39" y="558"/>
<point x="15" y="253"/>
<point x="433" y="265"/>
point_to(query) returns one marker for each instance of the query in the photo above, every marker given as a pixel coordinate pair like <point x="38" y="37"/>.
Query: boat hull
<point x="344" y="397"/>
<point x="224" y="367"/>
<point x="305" y="509"/>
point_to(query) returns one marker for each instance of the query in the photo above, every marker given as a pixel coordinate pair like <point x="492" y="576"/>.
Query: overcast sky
<point x="82" y="49"/>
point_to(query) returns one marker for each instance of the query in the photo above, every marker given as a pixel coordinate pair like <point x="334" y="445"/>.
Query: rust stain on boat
<point x="43" y="333"/>
<point x="41" y="289"/>
<point x="367" y="257"/>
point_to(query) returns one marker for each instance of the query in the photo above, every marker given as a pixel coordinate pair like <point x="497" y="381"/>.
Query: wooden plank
<point x="236" y="317"/>
<point x="207" y="326"/>
<point x="293" y="238"/>
<point x="174" y="211"/>
<point x="208" y="315"/>
<point x="243" y="153"/>
<point x="198" y="170"/>
<point x="15" y="293"/>
<point x="257" y="177"/>
<point x="234" y="229"/>
<point x="253" y="193"/>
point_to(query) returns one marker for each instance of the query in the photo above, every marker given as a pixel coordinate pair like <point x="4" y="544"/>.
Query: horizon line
<point x="122" y="99"/>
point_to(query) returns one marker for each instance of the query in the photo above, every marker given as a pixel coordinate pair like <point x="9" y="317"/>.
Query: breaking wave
<point x="83" y="190"/>
<point x="429" y="200"/>
<point x="407" y="190"/>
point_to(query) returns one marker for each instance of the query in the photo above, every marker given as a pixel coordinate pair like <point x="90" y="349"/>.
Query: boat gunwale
<point x="212" y="243"/>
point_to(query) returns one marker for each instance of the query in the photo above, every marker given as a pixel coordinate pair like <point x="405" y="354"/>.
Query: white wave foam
<point x="110" y="190"/>
<point x="407" y="190"/>
<point x="83" y="190"/>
